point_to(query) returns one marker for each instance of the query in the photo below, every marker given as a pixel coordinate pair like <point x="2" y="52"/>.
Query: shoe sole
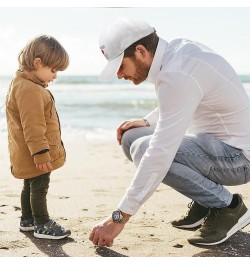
<point x="49" y="236"/>
<point x="194" y="225"/>
<point x="26" y="229"/>
<point x="243" y="221"/>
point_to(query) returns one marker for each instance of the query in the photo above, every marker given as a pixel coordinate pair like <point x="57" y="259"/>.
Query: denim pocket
<point x="229" y="176"/>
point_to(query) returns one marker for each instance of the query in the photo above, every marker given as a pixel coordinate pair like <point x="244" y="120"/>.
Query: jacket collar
<point x="31" y="77"/>
<point x="157" y="61"/>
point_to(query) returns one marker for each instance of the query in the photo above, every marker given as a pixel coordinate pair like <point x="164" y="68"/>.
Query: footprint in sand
<point x="17" y="208"/>
<point x="64" y="197"/>
<point x="101" y="205"/>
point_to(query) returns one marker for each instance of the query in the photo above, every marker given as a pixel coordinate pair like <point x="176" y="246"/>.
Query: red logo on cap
<point x="103" y="52"/>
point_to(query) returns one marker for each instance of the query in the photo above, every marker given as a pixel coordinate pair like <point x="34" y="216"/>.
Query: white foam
<point x="99" y="134"/>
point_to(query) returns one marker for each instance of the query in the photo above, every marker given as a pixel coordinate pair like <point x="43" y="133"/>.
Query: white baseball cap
<point x="116" y="38"/>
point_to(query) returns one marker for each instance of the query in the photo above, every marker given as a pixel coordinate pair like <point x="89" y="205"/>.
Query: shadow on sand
<point x="237" y="246"/>
<point x="50" y="247"/>
<point x="106" y="252"/>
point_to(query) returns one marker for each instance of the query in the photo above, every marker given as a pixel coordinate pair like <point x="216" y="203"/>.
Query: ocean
<point x="91" y="110"/>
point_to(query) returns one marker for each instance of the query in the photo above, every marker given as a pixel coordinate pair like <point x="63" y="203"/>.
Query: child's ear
<point x="37" y="63"/>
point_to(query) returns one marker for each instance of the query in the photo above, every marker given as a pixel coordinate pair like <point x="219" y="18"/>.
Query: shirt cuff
<point x="128" y="207"/>
<point x="152" y="118"/>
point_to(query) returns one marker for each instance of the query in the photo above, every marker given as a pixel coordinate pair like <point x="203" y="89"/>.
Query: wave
<point x="93" y="79"/>
<point x="149" y="104"/>
<point x="245" y="78"/>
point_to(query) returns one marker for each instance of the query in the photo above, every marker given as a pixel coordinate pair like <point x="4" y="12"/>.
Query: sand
<point x="86" y="190"/>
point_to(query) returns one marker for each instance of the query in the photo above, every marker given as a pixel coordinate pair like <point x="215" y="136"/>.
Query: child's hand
<point x="46" y="167"/>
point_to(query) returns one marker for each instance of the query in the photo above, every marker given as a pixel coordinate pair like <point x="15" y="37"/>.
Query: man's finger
<point x="101" y="242"/>
<point x="95" y="239"/>
<point x="109" y="243"/>
<point x="92" y="235"/>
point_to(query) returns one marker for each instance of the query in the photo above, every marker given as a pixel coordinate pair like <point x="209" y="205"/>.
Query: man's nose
<point x="120" y="74"/>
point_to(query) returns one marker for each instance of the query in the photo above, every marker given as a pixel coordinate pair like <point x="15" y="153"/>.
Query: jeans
<point x="201" y="167"/>
<point x="33" y="198"/>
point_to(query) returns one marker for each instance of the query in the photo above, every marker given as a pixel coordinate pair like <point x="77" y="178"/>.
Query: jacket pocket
<point x="56" y="150"/>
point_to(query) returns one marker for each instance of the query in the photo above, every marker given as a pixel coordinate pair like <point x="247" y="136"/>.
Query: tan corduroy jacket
<point x="33" y="126"/>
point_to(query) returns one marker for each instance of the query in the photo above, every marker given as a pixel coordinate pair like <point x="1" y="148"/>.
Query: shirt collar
<point x="157" y="61"/>
<point x="31" y="77"/>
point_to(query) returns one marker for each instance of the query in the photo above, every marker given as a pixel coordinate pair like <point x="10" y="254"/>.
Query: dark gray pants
<point x="33" y="198"/>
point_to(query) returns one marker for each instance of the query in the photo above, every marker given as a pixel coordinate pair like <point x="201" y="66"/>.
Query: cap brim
<point x="111" y="69"/>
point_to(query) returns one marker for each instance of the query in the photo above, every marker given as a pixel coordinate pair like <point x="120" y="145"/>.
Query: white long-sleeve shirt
<point x="198" y="92"/>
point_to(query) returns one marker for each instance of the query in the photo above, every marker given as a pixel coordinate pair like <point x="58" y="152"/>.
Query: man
<point x="196" y="141"/>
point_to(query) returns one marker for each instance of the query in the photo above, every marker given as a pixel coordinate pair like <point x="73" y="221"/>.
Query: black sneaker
<point x="51" y="230"/>
<point x="194" y="217"/>
<point x="221" y="223"/>
<point x="26" y="224"/>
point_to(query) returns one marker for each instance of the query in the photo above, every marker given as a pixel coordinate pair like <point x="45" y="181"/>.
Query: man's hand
<point x="46" y="167"/>
<point x="105" y="232"/>
<point x="126" y="125"/>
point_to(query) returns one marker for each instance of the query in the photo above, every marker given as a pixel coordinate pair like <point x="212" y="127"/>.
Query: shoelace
<point x="189" y="208"/>
<point x="56" y="226"/>
<point x="211" y="217"/>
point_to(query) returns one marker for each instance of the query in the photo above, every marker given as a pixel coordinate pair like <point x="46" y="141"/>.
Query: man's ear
<point x="141" y="49"/>
<point x="142" y="53"/>
<point x="37" y="63"/>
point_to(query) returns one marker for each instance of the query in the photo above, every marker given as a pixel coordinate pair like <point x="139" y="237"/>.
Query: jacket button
<point x="54" y="141"/>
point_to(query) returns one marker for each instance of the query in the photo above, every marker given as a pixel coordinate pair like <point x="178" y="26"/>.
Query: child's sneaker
<point x="51" y="230"/>
<point x="26" y="224"/>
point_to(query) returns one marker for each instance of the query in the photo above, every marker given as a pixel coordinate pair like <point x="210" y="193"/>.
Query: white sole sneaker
<point x="197" y="224"/>
<point x="242" y="222"/>
<point x="44" y="236"/>
<point x="26" y="229"/>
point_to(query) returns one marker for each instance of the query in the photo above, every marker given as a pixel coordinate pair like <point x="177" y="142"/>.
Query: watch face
<point x="116" y="216"/>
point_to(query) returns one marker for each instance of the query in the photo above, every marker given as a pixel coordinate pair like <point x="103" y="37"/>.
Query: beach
<point x="96" y="174"/>
<point x="93" y="180"/>
<point x="86" y="190"/>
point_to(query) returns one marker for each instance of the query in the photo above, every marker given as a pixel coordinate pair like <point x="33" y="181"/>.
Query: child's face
<point x="45" y="74"/>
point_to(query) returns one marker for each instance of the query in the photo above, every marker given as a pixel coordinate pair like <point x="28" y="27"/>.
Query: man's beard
<point x="141" y="72"/>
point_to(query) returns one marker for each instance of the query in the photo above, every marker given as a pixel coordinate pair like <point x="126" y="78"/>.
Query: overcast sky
<point x="224" y="29"/>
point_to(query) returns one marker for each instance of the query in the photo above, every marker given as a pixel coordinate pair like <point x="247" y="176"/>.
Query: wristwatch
<point x="117" y="217"/>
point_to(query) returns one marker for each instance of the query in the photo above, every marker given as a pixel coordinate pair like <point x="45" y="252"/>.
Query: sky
<point x="224" y="29"/>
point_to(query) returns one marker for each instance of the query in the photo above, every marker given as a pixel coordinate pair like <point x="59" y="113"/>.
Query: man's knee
<point x="133" y="135"/>
<point x="138" y="148"/>
<point x="127" y="140"/>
